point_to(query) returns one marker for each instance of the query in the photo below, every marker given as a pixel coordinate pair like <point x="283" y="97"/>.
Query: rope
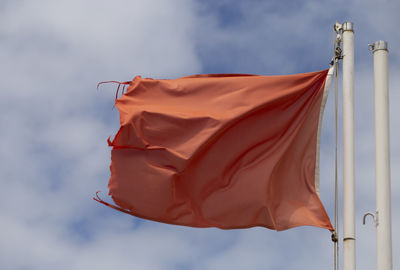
<point x="98" y="199"/>
<point x="336" y="243"/>
<point x="119" y="85"/>
<point x="338" y="55"/>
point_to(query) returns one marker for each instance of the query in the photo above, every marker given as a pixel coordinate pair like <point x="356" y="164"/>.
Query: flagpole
<point x="349" y="254"/>
<point x="382" y="159"/>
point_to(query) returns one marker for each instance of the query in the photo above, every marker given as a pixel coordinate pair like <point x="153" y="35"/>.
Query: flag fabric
<point x="221" y="150"/>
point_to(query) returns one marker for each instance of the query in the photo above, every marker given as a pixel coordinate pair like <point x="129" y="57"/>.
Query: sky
<point x="54" y="124"/>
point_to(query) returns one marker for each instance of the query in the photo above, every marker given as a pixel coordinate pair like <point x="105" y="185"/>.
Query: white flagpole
<point x="349" y="253"/>
<point x="382" y="159"/>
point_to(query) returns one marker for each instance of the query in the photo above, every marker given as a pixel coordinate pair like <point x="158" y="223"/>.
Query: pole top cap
<point x="348" y="26"/>
<point x="378" y="45"/>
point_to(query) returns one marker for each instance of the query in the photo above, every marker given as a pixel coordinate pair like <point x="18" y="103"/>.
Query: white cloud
<point x="54" y="124"/>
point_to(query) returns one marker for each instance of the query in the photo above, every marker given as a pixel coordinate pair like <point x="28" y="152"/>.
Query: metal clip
<point x="374" y="217"/>
<point x="371" y="47"/>
<point x="334" y="237"/>
<point x="337" y="27"/>
<point x="338" y="53"/>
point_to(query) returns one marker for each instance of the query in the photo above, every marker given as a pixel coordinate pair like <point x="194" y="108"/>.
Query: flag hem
<point x="321" y="113"/>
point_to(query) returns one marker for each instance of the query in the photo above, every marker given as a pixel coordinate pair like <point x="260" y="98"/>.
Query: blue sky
<point x="54" y="124"/>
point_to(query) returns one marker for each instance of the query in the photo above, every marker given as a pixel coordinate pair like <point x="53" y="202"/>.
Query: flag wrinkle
<point x="215" y="136"/>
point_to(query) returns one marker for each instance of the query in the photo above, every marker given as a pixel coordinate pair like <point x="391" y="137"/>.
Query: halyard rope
<point x="338" y="55"/>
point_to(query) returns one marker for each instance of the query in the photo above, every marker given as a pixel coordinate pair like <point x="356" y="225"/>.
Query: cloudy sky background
<point x="54" y="124"/>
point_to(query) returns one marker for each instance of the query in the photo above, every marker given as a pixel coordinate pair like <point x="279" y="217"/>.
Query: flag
<point x="221" y="150"/>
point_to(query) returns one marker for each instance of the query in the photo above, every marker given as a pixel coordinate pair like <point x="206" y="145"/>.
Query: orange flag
<point x="227" y="151"/>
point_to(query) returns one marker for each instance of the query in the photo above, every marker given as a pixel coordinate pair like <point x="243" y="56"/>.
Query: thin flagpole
<point x="382" y="158"/>
<point x="349" y="254"/>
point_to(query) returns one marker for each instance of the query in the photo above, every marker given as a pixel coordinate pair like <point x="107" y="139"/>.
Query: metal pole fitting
<point x="378" y="45"/>
<point x="374" y="217"/>
<point x="348" y="26"/>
